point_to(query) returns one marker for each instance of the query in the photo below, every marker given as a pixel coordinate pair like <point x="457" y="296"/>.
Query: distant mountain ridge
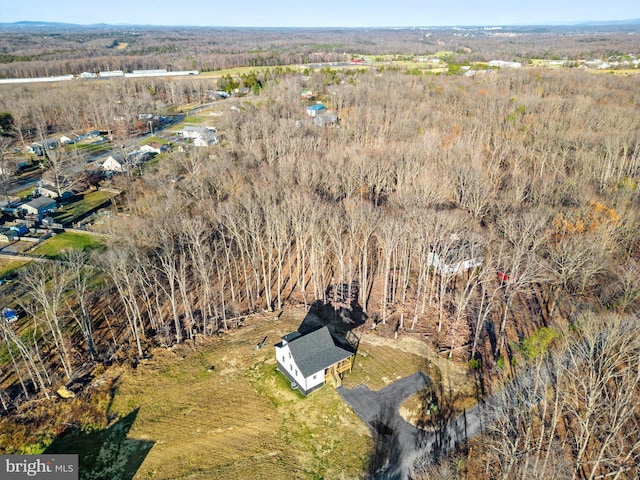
<point x="33" y="24"/>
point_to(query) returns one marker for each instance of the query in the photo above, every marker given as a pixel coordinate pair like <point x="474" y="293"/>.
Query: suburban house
<point x="64" y="140"/>
<point x="315" y="110"/>
<point x="153" y="147"/>
<point x="114" y="164"/>
<point x="202" y="136"/>
<point x="455" y="257"/>
<point x="39" y="206"/>
<point x="39" y="148"/>
<point x="47" y="190"/>
<point x="311" y="359"/>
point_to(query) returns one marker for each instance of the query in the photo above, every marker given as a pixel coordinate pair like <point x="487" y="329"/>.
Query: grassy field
<point x="152" y="165"/>
<point x="239" y="419"/>
<point x="8" y="267"/>
<point x="90" y="147"/>
<point x="236" y="72"/>
<point x="84" y="203"/>
<point x="194" y="119"/>
<point x="58" y="244"/>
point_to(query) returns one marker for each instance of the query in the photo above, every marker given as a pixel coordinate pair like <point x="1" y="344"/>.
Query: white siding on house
<point x="312" y="382"/>
<point x="112" y="165"/>
<point x="283" y="354"/>
<point x="434" y="260"/>
<point x="284" y="357"/>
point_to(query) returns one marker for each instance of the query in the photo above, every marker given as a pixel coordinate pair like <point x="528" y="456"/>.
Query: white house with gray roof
<point x="39" y="206"/>
<point x="202" y="136"/>
<point x="310" y="360"/>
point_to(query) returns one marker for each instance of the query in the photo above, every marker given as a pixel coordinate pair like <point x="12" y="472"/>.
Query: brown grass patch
<point x="239" y="419"/>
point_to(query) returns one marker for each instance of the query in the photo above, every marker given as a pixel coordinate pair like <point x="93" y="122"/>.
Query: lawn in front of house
<point x="25" y="193"/>
<point x="81" y="205"/>
<point x="227" y="399"/>
<point x="154" y="139"/>
<point x="151" y="166"/>
<point x="56" y="245"/>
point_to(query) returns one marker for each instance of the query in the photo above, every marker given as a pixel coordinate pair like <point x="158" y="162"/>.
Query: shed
<point x="20" y="228"/>
<point x="311" y="359"/>
<point x="315" y="110"/>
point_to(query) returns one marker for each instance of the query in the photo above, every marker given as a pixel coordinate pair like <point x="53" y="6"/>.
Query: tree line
<point x="533" y="172"/>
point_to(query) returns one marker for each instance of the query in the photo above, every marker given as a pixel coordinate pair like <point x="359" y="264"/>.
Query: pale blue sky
<point x="320" y="13"/>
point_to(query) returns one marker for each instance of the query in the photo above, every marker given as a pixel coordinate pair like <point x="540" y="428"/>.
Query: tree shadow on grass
<point x="105" y="454"/>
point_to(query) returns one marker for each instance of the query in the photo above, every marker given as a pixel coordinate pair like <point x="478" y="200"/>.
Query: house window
<point x="314" y="377"/>
<point x="289" y="354"/>
<point x="296" y="372"/>
<point x="283" y="358"/>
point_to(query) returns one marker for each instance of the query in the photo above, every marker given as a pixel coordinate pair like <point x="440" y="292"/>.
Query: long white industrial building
<point x="104" y="74"/>
<point x="59" y="78"/>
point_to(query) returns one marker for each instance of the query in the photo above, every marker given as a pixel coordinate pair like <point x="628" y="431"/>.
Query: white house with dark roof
<point x="114" y="163"/>
<point x="310" y="360"/>
<point x="202" y="136"/>
<point x="454" y="257"/>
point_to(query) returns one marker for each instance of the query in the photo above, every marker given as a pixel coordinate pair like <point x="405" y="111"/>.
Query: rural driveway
<point x="398" y="444"/>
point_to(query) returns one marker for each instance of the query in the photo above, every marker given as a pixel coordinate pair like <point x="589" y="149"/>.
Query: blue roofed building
<point x="315" y="110"/>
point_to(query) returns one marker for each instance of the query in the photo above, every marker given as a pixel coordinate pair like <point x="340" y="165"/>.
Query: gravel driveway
<point x="397" y="443"/>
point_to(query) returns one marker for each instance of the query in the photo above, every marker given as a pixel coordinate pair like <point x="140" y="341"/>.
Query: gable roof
<point x="316" y="351"/>
<point x="40" y="202"/>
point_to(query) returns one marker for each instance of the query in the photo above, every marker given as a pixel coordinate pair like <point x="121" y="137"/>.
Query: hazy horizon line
<point x="626" y="21"/>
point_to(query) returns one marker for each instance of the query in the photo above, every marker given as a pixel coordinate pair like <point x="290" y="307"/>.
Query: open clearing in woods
<point x="240" y="420"/>
<point x="221" y="410"/>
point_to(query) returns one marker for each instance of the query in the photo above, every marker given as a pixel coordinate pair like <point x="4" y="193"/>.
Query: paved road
<point x="398" y="443"/>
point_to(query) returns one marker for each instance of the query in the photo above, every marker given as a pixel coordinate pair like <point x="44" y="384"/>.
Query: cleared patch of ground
<point x="381" y="361"/>
<point x="222" y="411"/>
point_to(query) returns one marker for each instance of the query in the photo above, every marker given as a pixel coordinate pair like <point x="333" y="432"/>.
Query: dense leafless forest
<point x="533" y="171"/>
<point x="28" y="51"/>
